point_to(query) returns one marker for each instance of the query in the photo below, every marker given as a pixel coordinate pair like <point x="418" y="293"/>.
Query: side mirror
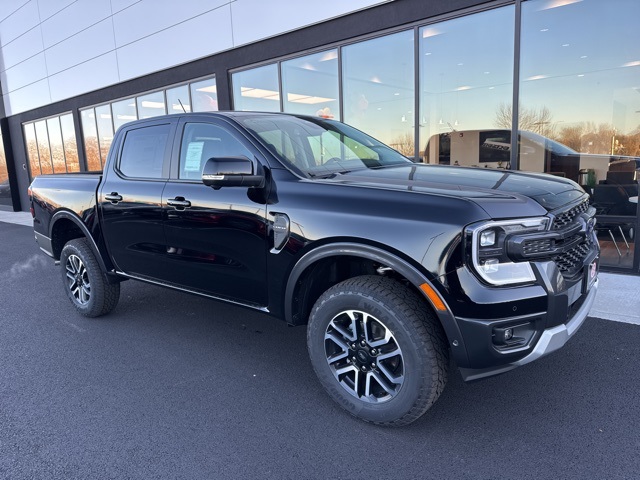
<point x="230" y="172"/>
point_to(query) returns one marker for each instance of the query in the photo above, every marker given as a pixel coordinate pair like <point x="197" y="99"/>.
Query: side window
<point x="143" y="151"/>
<point x="202" y="141"/>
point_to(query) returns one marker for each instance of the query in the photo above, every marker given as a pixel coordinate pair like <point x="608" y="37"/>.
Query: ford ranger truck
<point x="393" y="267"/>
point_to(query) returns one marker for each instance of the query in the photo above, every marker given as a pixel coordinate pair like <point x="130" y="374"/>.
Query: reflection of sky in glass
<point x="582" y="61"/>
<point x="310" y="85"/>
<point x="204" y="96"/>
<point x="466" y="72"/>
<point x="257" y="89"/>
<point x="151" y="105"/>
<point x="378" y="88"/>
<point x="124" y="111"/>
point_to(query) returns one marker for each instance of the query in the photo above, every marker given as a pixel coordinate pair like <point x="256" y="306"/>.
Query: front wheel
<point x="84" y="282"/>
<point x="378" y="350"/>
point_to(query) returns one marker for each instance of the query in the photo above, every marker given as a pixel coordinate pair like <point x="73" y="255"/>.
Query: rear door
<point x="216" y="239"/>
<point x="131" y="198"/>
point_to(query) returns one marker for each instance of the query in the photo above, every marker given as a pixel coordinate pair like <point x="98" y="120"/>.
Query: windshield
<point x="547" y="143"/>
<point x="317" y="147"/>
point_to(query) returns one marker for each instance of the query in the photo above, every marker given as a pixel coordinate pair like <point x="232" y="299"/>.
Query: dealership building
<point x="538" y="85"/>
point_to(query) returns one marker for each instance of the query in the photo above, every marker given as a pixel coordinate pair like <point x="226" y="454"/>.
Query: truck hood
<point x="483" y="186"/>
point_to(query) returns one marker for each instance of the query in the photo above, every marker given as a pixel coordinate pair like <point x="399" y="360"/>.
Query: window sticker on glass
<point x="194" y="154"/>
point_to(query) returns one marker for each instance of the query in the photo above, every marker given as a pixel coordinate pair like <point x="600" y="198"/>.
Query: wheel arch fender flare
<point x="67" y="215"/>
<point x="401" y="266"/>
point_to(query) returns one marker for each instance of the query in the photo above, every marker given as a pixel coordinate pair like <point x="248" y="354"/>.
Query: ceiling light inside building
<point x="536" y="77"/>
<point x="307" y="99"/>
<point x="431" y="32"/>
<point x="150" y="104"/>
<point x="209" y="89"/>
<point x="260" y="93"/>
<point x="332" y="55"/>
<point x="557" y="3"/>
<point x="635" y="63"/>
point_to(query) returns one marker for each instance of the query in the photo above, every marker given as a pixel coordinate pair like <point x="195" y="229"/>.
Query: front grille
<point x="575" y="248"/>
<point x="570" y="262"/>
<point x="532" y="247"/>
<point x="563" y="219"/>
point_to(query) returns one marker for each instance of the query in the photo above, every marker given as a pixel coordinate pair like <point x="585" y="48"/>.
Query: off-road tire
<point x="84" y="282"/>
<point x="415" y="330"/>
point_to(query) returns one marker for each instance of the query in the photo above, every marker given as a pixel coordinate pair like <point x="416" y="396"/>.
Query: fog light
<point x="502" y="335"/>
<point x="508" y="334"/>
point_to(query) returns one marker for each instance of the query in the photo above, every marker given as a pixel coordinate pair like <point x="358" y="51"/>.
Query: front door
<point x="216" y="239"/>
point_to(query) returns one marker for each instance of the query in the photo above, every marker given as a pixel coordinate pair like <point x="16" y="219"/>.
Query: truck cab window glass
<point x="143" y="152"/>
<point x="202" y="141"/>
<point x="321" y="147"/>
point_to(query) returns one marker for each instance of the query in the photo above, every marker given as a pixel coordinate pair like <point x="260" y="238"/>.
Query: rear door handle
<point x="179" y="203"/>
<point x="113" y="197"/>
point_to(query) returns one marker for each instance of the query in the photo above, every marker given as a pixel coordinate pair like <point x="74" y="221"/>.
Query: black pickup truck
<point x="393" y="266"/>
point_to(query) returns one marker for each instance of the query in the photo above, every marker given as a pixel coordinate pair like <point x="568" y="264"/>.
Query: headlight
<point x="489" y="255"/>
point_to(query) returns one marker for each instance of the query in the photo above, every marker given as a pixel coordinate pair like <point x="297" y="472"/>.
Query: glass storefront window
<point x="579" y="85"/>
<point x="57" y="147"/>
<point x="151" y="105"/>
<point x="204" y="96"/>
<point x="310" y="85"/>
<point x="105" y="130"/>
<point x="90" y="132"/>
<point x="178" y="100"/>
<point x="124" y="111"/>
<point x="32" y="149"/>
<point x="5" y="191"/>
<point x="44" y="152"/>
<point x="466" y="87"/>
<point x="257" y="89"/>
<point x="378" y="85"/>
<point x="69" y="142"/>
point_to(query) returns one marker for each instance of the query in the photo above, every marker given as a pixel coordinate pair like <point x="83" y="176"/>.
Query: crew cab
<point x="392" y="266"/>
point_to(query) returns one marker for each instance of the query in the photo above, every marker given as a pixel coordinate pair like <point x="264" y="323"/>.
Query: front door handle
<point x="113" y="197"/>
<point x="179" y="203"/>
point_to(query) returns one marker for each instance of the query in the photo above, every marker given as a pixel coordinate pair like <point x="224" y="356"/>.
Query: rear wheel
<point x="84" y="282"/>
<point x="378" y="350"/>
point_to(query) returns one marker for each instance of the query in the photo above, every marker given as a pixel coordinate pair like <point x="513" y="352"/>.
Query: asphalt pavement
<point x="171" y="385"/>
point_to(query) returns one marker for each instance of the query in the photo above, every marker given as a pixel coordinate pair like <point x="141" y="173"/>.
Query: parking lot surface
<point x="176" y="386"/>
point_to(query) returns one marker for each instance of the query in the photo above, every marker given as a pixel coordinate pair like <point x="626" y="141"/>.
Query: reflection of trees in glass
<point x="587" y="137"/>
<point x="93" y="154"/>
<point x="404" y="143"/>
<point x="537" y="120"/>
<point x="3" y="163"/>
<point x="583" y="137"/>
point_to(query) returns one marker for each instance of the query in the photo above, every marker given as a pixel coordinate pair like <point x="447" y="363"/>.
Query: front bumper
<point x="550" y="340"/>
<point x="542" y="317"/>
